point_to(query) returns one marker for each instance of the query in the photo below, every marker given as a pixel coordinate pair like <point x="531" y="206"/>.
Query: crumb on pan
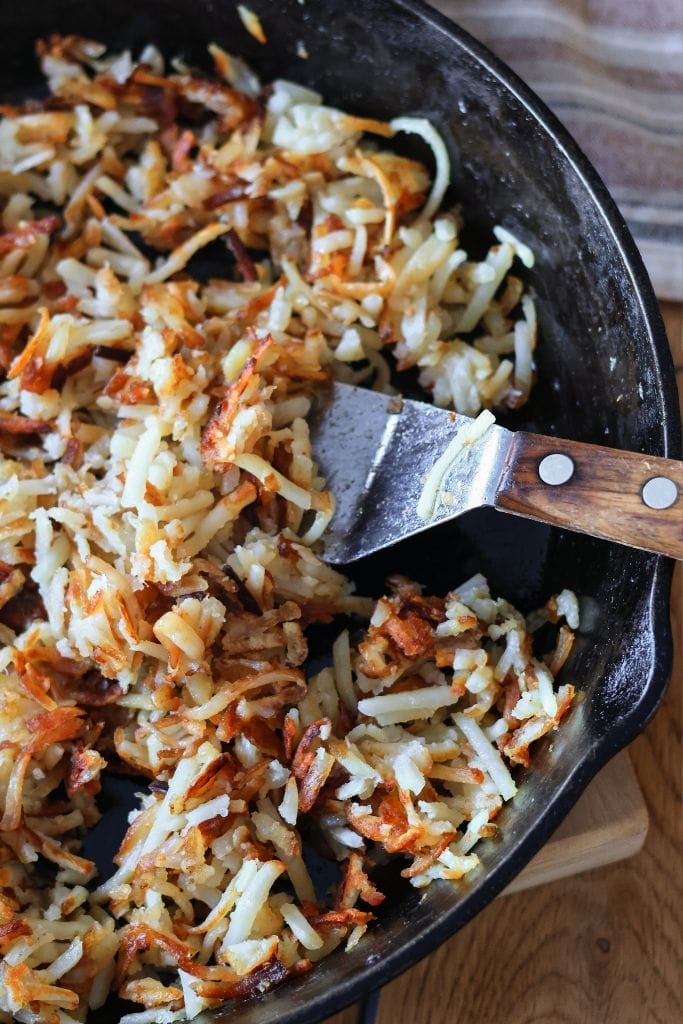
<point x="252" y="23"/>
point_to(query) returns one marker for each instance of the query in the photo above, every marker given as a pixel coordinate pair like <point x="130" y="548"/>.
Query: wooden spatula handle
<point x="623" y="496"/>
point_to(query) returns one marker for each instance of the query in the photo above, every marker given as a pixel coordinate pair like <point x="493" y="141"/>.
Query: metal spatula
<point x="376" y="451"/>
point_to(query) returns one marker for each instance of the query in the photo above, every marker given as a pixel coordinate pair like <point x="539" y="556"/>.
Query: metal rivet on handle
<point x="659" y="492"/>
<point x="556" y="469"/>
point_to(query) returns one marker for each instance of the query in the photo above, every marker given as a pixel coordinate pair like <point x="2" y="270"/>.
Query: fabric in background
<point x="612" y="71"/>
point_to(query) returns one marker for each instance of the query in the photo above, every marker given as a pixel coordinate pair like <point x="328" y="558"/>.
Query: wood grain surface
<point x="609" y="823"/>
<point x="604" y="947"/>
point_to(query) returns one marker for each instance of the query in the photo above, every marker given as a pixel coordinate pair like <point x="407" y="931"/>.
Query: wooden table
<point x="605" y="947"/>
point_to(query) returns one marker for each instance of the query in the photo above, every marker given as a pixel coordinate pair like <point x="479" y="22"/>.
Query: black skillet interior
<point x="604" y="375"/>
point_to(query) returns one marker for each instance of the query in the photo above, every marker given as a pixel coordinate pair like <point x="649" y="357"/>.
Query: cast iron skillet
<point x="513" y="164"/>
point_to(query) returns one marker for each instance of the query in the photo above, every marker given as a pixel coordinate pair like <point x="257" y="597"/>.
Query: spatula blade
<point x="375" y="452"/>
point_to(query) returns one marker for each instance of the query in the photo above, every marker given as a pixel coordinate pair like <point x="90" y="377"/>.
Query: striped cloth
<point x="612" y="70"/>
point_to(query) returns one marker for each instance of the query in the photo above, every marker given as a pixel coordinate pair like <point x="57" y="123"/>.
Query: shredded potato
<point x="466" y="435"/>
<point x="160" y="518"/>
